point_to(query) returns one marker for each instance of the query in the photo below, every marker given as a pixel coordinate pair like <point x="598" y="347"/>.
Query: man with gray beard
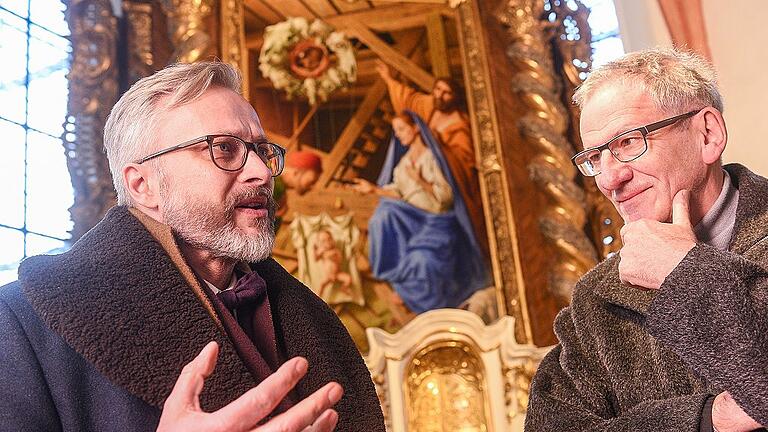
<point x="123" y="331"/>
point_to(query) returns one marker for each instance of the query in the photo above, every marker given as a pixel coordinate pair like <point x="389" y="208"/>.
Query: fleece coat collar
<point x="124" y="298"/>
<point x="751" y="218"/>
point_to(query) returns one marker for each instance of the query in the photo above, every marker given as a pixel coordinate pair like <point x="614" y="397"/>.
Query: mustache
<point x="249" y="194"/>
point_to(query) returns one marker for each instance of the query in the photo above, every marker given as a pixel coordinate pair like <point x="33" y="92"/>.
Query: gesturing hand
<point x="727" y="415"/>
<point x="653" y="249"/>
<point x="182" y="412"/>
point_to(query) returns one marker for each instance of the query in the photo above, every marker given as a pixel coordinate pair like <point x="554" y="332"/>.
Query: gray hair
<point x="129" y="130"/>
<point x="676" y="80"/>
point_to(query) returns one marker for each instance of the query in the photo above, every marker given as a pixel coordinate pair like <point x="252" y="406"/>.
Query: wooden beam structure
<point x="391" y="56"/>
<point x="264" y="11"/>
<point x="389" y="18"/>
<point x="294" y="140"/>
<point x="254" y="41"/>
<point x="293" y="8"/>
<point x="384" y="2"/>
<point x="438" y="48"/>
<point x="357" y="123"/>
<point x="345" y="6"/>
<point x="322" y="8"/>
<point x="284" y="141"/>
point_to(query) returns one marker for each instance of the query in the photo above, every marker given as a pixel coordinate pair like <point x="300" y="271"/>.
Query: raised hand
<point x="727" y="415"/>
<point x="383" y="70"/>
<point x="653" y="249"/>
<point x="182" y="412"/>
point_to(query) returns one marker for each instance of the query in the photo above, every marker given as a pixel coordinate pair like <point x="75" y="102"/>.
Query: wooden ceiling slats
<point x="293" y="8"/>
<point x="262" y="9"/>
<point x="322" y="8"/>
<point x="389" y="18"/>
<point x="351" y="6"/>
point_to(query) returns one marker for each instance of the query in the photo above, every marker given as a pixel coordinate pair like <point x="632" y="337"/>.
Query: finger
<point x="190" y="383"/>
<point x="622" y="265"/>
<point x="680" y="211"/>
<point x="325" y="423"/>
<point x="623" y="232"/>
<point x="247" y="410"/>
<point x="308" y="411"/>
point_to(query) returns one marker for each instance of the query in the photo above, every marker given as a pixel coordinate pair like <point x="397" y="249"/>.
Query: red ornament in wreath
<point x="308" y="59"/>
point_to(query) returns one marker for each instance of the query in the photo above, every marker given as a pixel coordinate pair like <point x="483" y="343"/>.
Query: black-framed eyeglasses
<point x="230" y="153"/>
<point x="625" y="147"/>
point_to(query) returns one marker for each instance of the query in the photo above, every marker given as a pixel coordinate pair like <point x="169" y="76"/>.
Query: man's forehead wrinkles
<point x="607" y="123"/>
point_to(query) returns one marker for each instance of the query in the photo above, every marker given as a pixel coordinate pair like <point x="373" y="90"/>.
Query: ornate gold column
<point x="187" y="29"/>
<point x="575" y="54"/>
<point x="141" y="57"/>
<point x="544" y="126"/>
<point x="93" y="89"/>
<point x="233" y="49"/>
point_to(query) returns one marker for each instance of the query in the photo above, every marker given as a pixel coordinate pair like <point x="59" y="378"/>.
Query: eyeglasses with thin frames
<point x="625" y="147"/>
<point x="230" y="153"/>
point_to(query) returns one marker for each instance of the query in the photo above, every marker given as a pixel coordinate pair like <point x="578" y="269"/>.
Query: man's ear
<point x="142" y="184"/>
<point x="714" y="133"/>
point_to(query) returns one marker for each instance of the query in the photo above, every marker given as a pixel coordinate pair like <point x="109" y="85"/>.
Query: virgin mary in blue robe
<point x="431" y="260"/>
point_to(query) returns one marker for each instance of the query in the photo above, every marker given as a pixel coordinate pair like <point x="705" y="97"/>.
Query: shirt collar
<point x="240" y="268"/>
<point x="716" y="227"/>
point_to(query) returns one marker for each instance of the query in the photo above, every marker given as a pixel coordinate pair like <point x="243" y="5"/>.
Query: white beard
<point x="210" y="227"/>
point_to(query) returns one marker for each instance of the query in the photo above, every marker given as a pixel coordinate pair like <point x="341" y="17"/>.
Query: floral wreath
<point x="309" y="60"/>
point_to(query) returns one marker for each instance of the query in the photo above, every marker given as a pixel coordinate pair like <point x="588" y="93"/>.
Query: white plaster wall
<point x="740" y="54"/>
<point x="736" y="31"/>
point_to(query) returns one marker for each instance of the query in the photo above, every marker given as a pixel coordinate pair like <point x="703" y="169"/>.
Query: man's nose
<point x="613" y="173"/>
<point x="255" y="170"/>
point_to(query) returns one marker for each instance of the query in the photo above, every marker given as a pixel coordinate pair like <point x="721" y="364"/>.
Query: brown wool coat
<point x="95" y="338"/>
<point x="644" y="360"/>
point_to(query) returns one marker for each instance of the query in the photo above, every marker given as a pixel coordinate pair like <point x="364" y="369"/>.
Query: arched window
<point x="606" y="41"/>
<point x="36" y="190"/>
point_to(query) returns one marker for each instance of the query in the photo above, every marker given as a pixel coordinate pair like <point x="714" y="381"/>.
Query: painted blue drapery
<point x="432" y="260"/>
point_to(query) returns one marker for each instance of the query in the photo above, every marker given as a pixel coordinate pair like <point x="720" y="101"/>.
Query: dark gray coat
<point x="646" y="360"/>
<point x="94" y="339"/>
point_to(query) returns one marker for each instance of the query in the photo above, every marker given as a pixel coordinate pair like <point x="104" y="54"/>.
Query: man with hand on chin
<point x="670" y="333"/>
<point x="96" y="339"/>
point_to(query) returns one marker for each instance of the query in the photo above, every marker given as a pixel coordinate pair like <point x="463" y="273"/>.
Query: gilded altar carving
<point x="445" y="381"/>
<point x="544" y="127"/>
<point x="447" y="370"/>
<point x="186" y="26"/>
<point x="93" y="89"/>
<point x="493" y="183"/>
<point x="232" y="39"/>
<point x="575" y="52"/>
<point x="141" y="58"/>
<point x="518" y="378"/>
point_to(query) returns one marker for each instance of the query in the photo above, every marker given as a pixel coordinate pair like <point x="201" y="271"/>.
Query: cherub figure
<point x="329" y="258"/>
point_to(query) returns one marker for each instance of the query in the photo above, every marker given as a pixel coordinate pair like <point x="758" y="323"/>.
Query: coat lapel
<point x="752" y="210"/>
<point x="133" y="309"/>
